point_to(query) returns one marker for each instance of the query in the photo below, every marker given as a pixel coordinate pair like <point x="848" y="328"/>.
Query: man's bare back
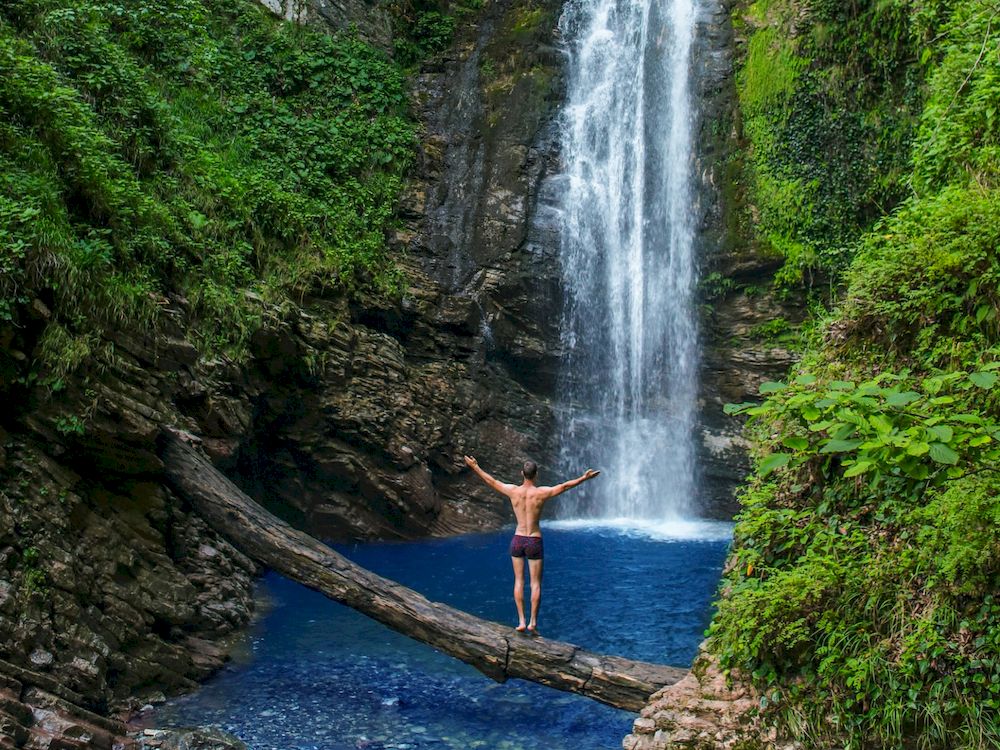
<point x="527" y="499"/>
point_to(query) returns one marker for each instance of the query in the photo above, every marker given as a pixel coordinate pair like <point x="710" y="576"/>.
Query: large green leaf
<point x="773" y="462"/>
<point x="943" y="454"/>
<point x="942" y="432"/>
<point x="840" y="446"/>
<point x="902" y="399"/>
<point x="771" y="387"/>
<point x="859" y="467"/>
<point x="795" y="442"/>
<point x="984" y="379"/>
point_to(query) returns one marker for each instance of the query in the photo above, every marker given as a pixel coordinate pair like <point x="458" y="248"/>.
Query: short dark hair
<point x="530" y="469"/>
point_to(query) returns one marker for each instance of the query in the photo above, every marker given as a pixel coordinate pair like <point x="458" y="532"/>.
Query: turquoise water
<point x="319" y="676"/>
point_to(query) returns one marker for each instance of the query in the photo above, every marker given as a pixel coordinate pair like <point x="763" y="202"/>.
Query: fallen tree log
<point x="495" y="650"/>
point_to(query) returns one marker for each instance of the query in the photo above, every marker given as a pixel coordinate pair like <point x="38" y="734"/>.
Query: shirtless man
<point x="527" y="500"/>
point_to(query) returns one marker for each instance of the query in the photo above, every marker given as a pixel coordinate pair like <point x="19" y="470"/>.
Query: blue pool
<point x="316" y="675"/>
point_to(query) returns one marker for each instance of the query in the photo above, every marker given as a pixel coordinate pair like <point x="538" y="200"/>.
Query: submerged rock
<point x="200" y="738"/>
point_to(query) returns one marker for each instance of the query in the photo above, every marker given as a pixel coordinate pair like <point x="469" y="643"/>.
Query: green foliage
<point x="959" y="133"/>
<point x="34" y="578"/>
<point x="860" y="597"/>
<point x="901" y="434"/>
<point x="828" y="112"/>
<point x="202" y="149"/>
<point x="926" y="282"/>
<point x="421" y="29"/>
<point x="715" y="286"/>
<point x="861" y="592"/>
<point x="775" y="330"/>
<point x="71" y="425"/>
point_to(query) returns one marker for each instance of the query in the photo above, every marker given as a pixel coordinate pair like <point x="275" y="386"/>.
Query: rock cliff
<point x="704" y="712"/>
<point x="746" y="326"/>
<point x="111" y="592"/>
<point x="348" y="417"/>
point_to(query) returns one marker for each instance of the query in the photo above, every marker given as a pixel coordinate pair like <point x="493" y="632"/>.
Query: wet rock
<point x="738" y="297"/>
<point x="703" y="712"/>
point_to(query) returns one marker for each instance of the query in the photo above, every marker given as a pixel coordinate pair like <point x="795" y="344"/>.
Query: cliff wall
<point x="349" y="413"/>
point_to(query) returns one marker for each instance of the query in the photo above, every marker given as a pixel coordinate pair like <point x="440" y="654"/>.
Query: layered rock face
<point x="368" y="409"/>
<point x="351" y="418"/>
<point x="111" y="592"/>
<point x="739" y="303"/>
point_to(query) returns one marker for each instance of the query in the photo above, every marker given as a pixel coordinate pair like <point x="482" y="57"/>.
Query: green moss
<point x="517" y="75"/>
<point x="528" y="20"/>
<point x="827" y="126"/>
<point x="768" y="75"/>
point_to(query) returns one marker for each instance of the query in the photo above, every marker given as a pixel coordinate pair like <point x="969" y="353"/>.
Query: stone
<point x="40" y="310"/>
<point x="702" y="712"/>
<point x="199" y="738"/>
<point x="41" y="658"/>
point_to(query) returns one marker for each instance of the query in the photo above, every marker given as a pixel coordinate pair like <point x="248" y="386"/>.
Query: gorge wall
<point x="350" y="414"/>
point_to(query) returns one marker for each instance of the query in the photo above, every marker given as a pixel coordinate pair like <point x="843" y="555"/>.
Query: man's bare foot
<point x="521" y="628"/>
<point x="532" y="629"/>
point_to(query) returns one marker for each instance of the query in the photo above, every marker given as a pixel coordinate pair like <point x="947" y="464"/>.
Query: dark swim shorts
<point x="526" y="546"/>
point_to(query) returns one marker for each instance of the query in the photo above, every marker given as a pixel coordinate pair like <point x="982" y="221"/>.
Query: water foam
<point x="678" y="530"/>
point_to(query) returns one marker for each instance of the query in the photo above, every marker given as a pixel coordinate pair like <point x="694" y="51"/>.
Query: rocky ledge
<point x="704" y="711"/>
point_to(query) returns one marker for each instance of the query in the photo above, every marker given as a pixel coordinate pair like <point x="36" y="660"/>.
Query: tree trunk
<point x="495" y="650"/>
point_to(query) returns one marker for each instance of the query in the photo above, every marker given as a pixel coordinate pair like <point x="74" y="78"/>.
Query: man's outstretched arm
<point x="571" y="483"/>
<point x="494" y="483"/>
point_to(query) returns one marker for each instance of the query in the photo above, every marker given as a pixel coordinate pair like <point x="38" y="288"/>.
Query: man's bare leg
<point x="535" y="569"/>
<point x="518" y="563"/>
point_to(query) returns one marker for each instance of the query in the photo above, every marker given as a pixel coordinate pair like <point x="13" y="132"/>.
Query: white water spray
<point x="629" y="386"/>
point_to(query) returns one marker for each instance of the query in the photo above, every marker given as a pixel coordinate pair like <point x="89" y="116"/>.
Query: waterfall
<point x="628" y="389"/>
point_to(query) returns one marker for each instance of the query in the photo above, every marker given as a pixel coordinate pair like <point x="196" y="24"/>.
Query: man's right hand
<point x="590" y="474"/>
<point x="471" y="462"/>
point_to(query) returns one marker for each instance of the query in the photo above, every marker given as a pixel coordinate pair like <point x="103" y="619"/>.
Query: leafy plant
<point x="890" y="430"/>
<point x="70" y="425"/>
<point x="194" y="149"/>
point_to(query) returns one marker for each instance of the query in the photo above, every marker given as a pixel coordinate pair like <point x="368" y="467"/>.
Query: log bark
<point x="494" y="649"/>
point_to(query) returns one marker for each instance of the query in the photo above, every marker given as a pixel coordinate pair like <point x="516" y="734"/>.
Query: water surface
<point x="318" y="675"/>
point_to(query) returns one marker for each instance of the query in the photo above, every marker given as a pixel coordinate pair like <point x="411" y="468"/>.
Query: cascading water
<point x="629" y="385"/>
